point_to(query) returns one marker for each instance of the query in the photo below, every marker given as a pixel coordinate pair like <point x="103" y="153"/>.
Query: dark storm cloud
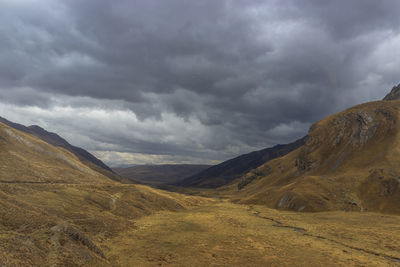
<point x="245" y="74"/>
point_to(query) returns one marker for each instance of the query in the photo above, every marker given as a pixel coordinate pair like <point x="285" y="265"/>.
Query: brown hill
<point x="227" y="171"/>
<point x="349" y="162"/>
<point x="159" y="174"/>
<point x="25" y="158"/>
<point x="54" y="139"/>
<point x="56" y="211"/>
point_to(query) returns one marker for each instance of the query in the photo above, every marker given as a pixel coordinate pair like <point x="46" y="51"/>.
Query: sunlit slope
<point x="351" y="161"/>
<point x="25" y="158"/>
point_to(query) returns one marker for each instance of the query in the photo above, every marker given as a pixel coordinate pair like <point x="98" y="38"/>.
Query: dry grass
<point x="63" y="224"/>
<point x="25" y="158"/>
<point x="226" y="234"/>
<point x="73" y="225"/>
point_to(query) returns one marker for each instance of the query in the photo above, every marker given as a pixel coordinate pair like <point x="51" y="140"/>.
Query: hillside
<point x="229" y="170"/>
<point x="54" y="139"/>
<point x="56" y="211"/>
<point x="349" y="162"/>
<point x="159" y="174"/>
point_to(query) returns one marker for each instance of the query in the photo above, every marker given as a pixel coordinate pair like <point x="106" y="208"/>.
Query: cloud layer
<point x="191" y="81"/>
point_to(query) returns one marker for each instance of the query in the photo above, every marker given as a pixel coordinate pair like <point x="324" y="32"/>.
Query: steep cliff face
<point x="350" y="161"/>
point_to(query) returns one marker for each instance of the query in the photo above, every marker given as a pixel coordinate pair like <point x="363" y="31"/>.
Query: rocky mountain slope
<point x="394" y="93"/>
<point x="159" y="174"/>
<point x="229" y="170"/>
<point x="350" y="161"/>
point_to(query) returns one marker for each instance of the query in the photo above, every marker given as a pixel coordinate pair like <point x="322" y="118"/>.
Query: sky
<point x="184" y="81"/>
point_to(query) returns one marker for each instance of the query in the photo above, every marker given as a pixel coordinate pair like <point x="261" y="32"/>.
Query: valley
<point x="179" y="133"/>
<point x="331" y="199"/>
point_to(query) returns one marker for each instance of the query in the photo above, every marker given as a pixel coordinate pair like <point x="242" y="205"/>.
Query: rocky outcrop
<point x="394" y="94"/>
<point x="77" y="236"/>
<point x="344" y="133"/>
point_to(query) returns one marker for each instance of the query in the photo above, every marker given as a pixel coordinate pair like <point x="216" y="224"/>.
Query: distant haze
<point x="161" y="82"/>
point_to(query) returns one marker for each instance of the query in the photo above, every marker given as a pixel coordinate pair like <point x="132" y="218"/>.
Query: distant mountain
<point x="159" y="174"/>
<point x="229" y="170"/>
<point x="56" y="140"/>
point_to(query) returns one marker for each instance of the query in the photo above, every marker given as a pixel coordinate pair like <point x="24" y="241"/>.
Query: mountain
<point x="350" y="161"/>
<point x="57" y="211"/>
<point x="159" y="174"/>
<point x="56" y="140"/>
<point x="229" y="170"/>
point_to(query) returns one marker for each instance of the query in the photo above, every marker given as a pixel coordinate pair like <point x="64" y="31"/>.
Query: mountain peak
<point x="394" y="94"/>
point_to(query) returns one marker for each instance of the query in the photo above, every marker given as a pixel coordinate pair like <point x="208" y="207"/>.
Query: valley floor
<point x="134" y="225"/>
<point x="226" y="234"/>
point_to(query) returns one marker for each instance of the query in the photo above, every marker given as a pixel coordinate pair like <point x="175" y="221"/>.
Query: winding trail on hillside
<point x="305" y="233"/>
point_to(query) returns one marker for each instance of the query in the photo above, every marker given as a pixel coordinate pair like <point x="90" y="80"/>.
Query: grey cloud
<point x="249" y="74"/>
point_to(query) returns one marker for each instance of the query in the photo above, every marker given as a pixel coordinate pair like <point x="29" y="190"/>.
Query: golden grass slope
<point x="67" y="224"/>
<point x="349" y="162"/>
<point x="25" y="158"/>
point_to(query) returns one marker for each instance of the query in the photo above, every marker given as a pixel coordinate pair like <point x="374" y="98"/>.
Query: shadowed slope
<point x="227" y="171"/>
